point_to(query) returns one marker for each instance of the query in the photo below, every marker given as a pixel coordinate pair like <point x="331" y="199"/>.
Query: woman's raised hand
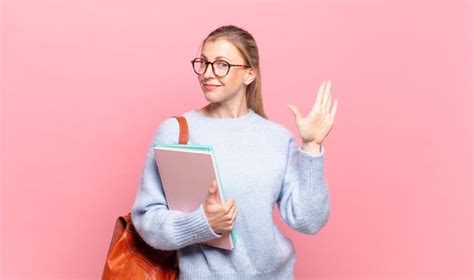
<point x="221" y="217"/>
<point x="318" y="123"/>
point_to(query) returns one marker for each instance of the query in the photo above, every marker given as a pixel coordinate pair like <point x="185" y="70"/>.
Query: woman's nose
<point x="209" y="72"/>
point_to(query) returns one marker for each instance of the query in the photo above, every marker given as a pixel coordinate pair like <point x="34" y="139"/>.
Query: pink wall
<point x="85" y="84"/>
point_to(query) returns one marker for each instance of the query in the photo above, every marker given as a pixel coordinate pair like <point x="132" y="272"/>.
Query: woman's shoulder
<point x="170" y="123"/>
<point x="167" y="131"/>
<point x="276" y="129"/>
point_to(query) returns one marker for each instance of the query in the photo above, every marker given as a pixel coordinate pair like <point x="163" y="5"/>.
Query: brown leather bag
<point x="130" y="257"/>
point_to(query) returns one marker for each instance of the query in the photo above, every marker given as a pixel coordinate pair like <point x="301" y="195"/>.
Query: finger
<point x="232" y="220"/>
<point x="328" y="105"/>
<point x="211" y="195"/>
<point x="228" y="217"/>
<point x="317" y="104"/>
<point x="213" y="188"/>
<point x="232" y="210"/>
<point x="229" y="205"/>
<point x="296" y="112"/>
<point x="334" y="110"/>
<point x="234" y="216"/>
<point x="229" y="201"/>
<point x="327" y="91"/>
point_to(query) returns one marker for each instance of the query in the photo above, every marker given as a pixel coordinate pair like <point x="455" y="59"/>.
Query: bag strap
<point x="183" y="129"/>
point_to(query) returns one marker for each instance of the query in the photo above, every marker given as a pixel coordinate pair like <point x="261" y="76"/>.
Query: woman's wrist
<point x="312" y="148"/>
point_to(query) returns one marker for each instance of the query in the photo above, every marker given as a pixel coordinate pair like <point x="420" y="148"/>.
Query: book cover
<point x="187" y="172"/>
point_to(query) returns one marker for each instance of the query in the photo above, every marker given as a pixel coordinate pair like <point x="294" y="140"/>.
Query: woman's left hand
<point x="314" y="128"/>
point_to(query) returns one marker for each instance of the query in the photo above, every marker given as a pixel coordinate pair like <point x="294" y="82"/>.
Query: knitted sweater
<point x="260" y="165"/>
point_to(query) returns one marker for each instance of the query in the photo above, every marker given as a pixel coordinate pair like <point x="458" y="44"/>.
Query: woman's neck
<point x="213" y="110"/>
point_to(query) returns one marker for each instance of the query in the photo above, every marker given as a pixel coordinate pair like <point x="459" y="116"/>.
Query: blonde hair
<point x="247" y="46"/>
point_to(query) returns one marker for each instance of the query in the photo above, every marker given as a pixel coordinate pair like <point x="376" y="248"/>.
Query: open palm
<point x="318" y="123"/>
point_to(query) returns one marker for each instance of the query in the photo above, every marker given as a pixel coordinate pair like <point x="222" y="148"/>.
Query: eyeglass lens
<point x="220" y="67"/>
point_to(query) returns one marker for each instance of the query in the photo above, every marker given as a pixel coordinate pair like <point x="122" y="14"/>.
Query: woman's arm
<point x="304" y="198"/>
<point x="162" y="228"/>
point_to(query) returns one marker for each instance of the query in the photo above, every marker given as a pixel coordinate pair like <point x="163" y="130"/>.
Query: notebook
<point x="187" y="172"/>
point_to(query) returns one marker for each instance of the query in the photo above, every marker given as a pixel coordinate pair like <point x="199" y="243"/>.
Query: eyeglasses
<point x="219" y="67"/>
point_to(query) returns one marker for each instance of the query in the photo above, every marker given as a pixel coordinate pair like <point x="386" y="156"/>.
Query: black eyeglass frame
<point x="212" y="64"/>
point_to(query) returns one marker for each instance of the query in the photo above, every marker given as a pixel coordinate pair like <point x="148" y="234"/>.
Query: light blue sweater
<point x="260" y="164"/>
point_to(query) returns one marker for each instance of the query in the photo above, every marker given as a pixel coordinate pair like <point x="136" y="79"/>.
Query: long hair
<point x="247" y="46"/>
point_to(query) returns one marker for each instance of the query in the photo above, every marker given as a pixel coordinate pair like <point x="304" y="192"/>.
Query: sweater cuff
<point x="310" y="156"/>
<point x="193" y="228"/>
<point x="315" y="164"/>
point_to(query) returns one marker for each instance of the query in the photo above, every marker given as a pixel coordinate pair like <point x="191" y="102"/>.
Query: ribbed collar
<point x="241" y="121"/>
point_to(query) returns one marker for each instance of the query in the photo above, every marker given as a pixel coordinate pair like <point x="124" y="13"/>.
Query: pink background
<point x="86" y="83"/>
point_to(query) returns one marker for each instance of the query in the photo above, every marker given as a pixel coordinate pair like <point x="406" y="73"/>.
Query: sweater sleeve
<point x="160" y="227"/>
<point x="303" y="201"/>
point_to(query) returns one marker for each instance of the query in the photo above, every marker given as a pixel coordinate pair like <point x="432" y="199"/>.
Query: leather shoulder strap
<point x="183" y="129"/>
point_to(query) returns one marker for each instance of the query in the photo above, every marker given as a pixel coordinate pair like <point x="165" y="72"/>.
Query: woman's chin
<point x="212" y="96"/>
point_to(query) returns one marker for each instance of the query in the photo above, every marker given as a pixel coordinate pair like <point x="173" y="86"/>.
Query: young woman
<point x="260" y="164"/>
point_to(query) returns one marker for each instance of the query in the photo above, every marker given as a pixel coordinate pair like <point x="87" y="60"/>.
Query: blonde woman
<point x="260" y="164"/>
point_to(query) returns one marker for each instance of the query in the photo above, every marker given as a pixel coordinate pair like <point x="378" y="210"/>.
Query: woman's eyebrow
<point x="216" y="57"/>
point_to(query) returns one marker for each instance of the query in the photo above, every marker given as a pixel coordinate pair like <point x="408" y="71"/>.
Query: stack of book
<point x="187" y="172"/>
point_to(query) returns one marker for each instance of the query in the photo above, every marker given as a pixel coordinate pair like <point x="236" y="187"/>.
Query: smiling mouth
<point x="210" y="87"/>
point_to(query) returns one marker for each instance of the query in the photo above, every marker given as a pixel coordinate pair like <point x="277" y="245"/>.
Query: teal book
<point x="187" y="172"/>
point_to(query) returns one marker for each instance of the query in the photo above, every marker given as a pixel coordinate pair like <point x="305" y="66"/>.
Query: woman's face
<point x="232" y="85"/>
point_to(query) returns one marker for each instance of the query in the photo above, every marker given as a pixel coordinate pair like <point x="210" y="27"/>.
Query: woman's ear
<point x="250" y="76"/>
